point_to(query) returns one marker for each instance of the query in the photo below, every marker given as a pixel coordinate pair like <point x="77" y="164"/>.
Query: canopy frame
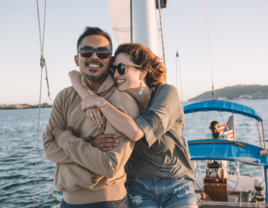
<point x="220" y="105"/>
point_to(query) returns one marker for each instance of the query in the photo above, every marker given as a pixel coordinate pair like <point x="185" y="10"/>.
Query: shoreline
<point x="23" y="106"/>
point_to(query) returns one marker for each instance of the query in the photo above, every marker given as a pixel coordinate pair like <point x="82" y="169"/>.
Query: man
<point x="86" y="175"/>
<point x="216" y="134"/>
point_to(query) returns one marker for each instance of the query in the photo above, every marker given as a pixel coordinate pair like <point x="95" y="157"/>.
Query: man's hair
<point x="212" y="124"/>
<point x="93" y="31"/>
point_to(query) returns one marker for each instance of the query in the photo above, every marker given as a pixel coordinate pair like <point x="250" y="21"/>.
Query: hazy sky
<point x="238" y="34"/>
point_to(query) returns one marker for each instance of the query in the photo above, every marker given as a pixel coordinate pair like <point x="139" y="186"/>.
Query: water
<point x="18" y="132"/>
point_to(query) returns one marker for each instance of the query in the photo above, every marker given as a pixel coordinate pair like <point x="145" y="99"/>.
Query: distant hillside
<point x="236" y="92"/>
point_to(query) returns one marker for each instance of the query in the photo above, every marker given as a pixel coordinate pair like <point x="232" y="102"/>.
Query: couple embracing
<point x="115" y="135"/>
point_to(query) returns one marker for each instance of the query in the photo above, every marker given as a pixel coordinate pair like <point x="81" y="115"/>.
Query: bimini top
<point x="219" y="105"/>
<point x="218" y="149"/>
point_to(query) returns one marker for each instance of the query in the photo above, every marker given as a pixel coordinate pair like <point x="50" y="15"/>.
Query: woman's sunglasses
<point x="87" y="52"/>
<point x="122" y="67"/>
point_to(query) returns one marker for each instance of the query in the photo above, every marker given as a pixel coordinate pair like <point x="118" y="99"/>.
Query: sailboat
<point x="140" y="21"/>
<point x="222" y="188"/>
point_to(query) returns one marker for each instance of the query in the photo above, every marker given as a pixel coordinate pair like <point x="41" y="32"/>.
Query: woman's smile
<point x="120" y="81"/>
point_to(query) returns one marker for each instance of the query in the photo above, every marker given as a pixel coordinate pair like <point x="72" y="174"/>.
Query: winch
<point x="258" y="196"/>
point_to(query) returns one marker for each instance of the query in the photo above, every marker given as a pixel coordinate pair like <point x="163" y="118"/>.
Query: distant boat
<point x="215" y="183"/>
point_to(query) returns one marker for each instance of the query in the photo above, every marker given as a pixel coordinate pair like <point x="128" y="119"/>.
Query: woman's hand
<point x="95" y="115"/>
<point x="57" y="131"/>
<point x="90" y="101"/>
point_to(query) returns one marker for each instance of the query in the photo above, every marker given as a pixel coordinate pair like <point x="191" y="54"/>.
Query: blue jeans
<point x="156" y="192"/>
<point x="106" y="204"/>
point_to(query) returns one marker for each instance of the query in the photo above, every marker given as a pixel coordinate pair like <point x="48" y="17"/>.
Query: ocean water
<point x="18" y="142"/>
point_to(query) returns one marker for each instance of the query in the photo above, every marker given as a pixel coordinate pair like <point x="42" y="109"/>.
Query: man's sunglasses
<point x="122" y="67"/>
<point x="87" y="52"/>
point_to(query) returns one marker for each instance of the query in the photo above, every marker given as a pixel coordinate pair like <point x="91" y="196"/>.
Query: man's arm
<point x="52" y="150"/>
<point x="102" y="163"/>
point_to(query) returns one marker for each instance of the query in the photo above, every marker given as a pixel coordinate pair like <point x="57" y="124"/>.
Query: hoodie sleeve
<point x="109" y="164"/>
<point x="52" y="150"/>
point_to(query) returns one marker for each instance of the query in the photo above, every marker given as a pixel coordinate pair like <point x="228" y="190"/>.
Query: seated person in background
<point x="216" y="134"/>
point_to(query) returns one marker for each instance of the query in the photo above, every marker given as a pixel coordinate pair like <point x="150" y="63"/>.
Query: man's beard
<point x="95" y="79"/>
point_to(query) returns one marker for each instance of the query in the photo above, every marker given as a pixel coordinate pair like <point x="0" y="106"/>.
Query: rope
<point x="37" y="137"/>
<point x="44" y="27"/>
<point x="180" y="78"/>
<point x="213" y="91"/>
<point x="41" y="47"/>
<point x="162" y="37"/>
<point x="222" y="117"/>
<point x="48" y="93"/>
<point x="42" y="63"/>
<point x="177" y="55"/>
<point x="42" y="42"/>
<point x="223" y="121"/>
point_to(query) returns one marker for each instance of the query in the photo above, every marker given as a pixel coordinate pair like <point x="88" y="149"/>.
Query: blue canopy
<point x="219" y="105"/>
<point x="214" y="149"/>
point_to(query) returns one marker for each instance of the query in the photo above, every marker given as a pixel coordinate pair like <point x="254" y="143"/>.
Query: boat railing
<point x="204" y="204"/>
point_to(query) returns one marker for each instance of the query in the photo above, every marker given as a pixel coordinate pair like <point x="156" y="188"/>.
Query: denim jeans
<point x="156" y="192"/>
<point x="107" y="204"/>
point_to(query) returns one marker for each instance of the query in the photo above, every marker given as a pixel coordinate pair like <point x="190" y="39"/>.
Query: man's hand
<point x="57" y="131"/>
<point x="105" y="142"/>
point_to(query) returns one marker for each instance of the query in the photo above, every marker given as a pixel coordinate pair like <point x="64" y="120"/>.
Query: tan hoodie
<point x="77" y="161"/>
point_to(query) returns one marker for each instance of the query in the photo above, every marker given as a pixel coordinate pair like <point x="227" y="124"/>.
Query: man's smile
<point x="93" y="66"/>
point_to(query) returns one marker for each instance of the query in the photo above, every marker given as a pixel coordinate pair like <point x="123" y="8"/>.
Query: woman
<point x="159" y="170"/>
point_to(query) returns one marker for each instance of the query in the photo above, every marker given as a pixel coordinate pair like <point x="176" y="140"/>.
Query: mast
<point x="131" y="22"/>
<point x="145" y="24"/>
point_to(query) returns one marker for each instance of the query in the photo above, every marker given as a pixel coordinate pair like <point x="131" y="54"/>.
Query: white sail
<point x="120" y="18"/>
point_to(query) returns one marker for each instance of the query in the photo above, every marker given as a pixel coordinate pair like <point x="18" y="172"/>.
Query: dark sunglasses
<point x="122" y="67"/>
<point x="87" y="52"/>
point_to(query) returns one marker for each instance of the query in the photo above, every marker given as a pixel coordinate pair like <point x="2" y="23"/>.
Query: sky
<point x="238" y="32"/>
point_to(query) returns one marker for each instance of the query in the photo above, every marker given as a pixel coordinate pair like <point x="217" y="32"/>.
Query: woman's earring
<point x="141" y="89"/>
